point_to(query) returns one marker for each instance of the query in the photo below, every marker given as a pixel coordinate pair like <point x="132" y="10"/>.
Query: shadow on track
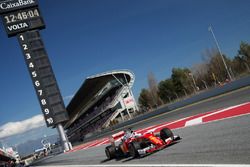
<point x="128" y="158"/>
<point x="141" y="157"/>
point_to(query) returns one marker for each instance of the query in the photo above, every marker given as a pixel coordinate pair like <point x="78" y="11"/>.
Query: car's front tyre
<point x="133" y="149"/>
<point x="166" y="133"/>
<point x="110" y="152"/>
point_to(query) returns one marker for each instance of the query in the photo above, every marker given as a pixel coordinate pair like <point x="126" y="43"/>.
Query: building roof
<point x="90" y="87"/>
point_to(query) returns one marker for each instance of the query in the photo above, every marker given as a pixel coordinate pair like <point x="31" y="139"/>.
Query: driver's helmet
<point x="128" y="133"/>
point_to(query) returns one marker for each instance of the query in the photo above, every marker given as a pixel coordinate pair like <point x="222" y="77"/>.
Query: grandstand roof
<point x="90" y="87"/>
<point x="4" y="157"/>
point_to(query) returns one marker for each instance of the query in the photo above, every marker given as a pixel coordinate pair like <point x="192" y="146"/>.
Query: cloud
<point x="14" y="128"/>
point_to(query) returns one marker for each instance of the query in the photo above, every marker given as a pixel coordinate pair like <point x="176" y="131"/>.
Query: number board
<point x="43" y="78"/>
<point x="22" y="20"/>
<point x="13" y="5"/>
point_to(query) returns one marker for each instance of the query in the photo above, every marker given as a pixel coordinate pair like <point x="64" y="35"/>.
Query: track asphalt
<point x="208" y="138"/>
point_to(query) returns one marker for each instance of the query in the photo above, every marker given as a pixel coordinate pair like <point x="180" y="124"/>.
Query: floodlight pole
<point x="217" y="44"/>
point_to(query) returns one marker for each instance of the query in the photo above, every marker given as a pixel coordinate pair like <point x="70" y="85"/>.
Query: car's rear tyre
<point x="133" y="149"/>
<point x="166" y="133"/>
<point x="118" y="152"/>
<point x="110" y="152"/>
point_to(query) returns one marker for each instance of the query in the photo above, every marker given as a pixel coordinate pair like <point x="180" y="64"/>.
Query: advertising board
<point x="13" y="5"/>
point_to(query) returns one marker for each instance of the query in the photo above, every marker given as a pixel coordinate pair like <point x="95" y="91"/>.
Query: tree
<point x="244" y="51"/>
<point x="210" y="72"/>
<point x="153" y="89"/>
<point x="243" y="57"/>
<point x="144" y="99"/>
<point x="182" y="81"/>
<point x="200" y="72"/>
<point x="240" y="65"/>
<point x="216" y="67"/>
<point x="166" y="90"/>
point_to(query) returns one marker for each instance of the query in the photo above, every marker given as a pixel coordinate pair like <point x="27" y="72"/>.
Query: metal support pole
<point x="205" y="84"/>
<point x="217" y="44"/>
<point x="195" y="86"/>
<point x="131" y="93"/>
<point x="185" y="92"/>
<point x="169" y="99"/>
<point x="122" y="116"/>
<point x="126" y="108"/>
<point x="64" y="140"/>
<point x="176" y="95"/>
<point x="122" y="97"/>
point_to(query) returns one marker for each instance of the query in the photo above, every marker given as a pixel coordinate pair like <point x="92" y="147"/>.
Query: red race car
<point x="136" y="145"/>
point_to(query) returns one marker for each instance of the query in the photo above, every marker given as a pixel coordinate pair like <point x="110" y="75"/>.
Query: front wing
<point x="152" y="148"/>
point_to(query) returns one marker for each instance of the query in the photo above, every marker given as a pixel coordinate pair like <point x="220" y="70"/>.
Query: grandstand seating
<point x="96" y="111"/>
<point x="99" y="103"/>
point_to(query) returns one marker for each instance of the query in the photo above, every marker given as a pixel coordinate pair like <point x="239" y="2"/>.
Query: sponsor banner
<point x="10" y="150"/>
<point x="129" y="102"/>
<point x="13" y="5"/>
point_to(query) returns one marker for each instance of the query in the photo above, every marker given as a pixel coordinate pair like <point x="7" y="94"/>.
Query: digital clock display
<point x="21" y="15"/>
<point x="22" y="20"/>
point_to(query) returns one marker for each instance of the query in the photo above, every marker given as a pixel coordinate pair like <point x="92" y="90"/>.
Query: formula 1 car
<point x="136" y="145"/>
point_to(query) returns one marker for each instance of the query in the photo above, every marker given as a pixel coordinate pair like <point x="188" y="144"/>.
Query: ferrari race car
<point x="136" y="145"/>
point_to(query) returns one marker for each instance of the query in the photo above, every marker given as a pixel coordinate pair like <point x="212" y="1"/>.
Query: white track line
<point x="102" y="142"/>
<point x="157" y="127"/>
<point x="158" y="165"/>
<point x="192" y="122"/>
<point x="199" y="119"/>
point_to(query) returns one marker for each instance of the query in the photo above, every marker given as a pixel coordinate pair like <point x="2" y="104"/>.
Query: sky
<point x="86" y="37"/>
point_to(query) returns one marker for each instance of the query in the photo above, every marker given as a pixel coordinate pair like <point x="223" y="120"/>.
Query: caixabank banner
<point x="13" y="5"/>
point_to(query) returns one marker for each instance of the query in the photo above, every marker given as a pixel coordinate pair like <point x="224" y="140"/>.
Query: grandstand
<point x="6" y="158"/>
<point x="103" y="100"/>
